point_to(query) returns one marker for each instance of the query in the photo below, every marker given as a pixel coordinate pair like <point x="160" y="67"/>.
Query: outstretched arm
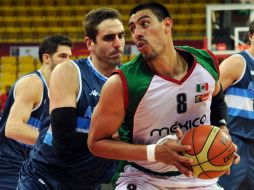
<point x="106" y="119"/>
<point x="28" y="94"/>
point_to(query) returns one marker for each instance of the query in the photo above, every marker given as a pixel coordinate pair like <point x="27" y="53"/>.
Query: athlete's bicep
<point x="63" y="86"/>
<point x="109" y="112"/>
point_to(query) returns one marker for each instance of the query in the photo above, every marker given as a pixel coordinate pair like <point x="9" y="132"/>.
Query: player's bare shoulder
<point x="66" y="67"/>
<point x="235" y="60"/>
<point x="233" y="67"/>
<point x="64" y="78"/>
<point x="114" y="84"/>
<point x="64" y="72"/>
<point x="29" y="87"/>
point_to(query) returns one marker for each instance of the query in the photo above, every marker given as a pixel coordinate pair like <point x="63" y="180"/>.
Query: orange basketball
<point x="212" y="151"/>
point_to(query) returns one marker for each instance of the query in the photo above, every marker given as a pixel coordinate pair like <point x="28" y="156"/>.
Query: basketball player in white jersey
<point x="162" y="89"/>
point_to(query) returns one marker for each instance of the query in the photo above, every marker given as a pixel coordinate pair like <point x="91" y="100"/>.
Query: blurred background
<point x="215" y="24"/>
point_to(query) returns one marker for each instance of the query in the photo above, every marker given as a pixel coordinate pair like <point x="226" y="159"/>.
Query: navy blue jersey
<point x="13" y="153"/>
<point x="240" y="101"/>
<point x="86" y="169"/>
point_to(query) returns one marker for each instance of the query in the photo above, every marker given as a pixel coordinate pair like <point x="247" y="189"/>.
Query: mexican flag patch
<point x="202" y="87"/>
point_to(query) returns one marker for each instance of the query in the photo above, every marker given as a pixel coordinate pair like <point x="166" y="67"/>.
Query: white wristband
<point x="150" y="151"/>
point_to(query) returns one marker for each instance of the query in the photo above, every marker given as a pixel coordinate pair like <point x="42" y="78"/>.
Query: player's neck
<point x="105" y="69"/>
<point x="46" y="72"/>
<point x="171" y="65"/>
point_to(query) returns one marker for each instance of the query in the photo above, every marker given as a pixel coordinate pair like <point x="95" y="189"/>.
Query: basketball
<point x="212" y="151"/>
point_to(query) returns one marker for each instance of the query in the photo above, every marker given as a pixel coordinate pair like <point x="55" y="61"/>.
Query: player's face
<point x="110" y="42"/>
<point x="147" y="33"/>
<point x="62" y="54"/>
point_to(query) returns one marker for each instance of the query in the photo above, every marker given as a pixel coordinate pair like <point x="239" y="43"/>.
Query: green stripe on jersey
<point x="138" y="77"/>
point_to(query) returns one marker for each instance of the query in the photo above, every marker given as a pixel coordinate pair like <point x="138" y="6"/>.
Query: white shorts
<point x="134" y="179"/>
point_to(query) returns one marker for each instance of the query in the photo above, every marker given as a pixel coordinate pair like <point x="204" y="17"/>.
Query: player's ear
<point x="45" y="58"/>
<point x="168" y="24"/>
<point x="89" y="43"/>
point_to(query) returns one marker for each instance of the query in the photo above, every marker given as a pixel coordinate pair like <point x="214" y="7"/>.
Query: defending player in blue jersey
<point x="237" y="79"/>
<point x="21" y="117"/>
<point x="61" y="158"/>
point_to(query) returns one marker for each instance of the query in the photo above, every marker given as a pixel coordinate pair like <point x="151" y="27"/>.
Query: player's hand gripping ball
<point x="212" y="151"/>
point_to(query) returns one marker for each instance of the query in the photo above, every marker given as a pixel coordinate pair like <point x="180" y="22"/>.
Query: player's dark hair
<point x="51" y="43"/>
<point x="160" y="11"/>
<point x="93" y="18"/>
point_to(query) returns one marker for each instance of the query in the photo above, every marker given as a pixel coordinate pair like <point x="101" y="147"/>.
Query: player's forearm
<point x="67" y="142"/>
<point x="22" y="133"/>
<point x="118" y="150"/>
